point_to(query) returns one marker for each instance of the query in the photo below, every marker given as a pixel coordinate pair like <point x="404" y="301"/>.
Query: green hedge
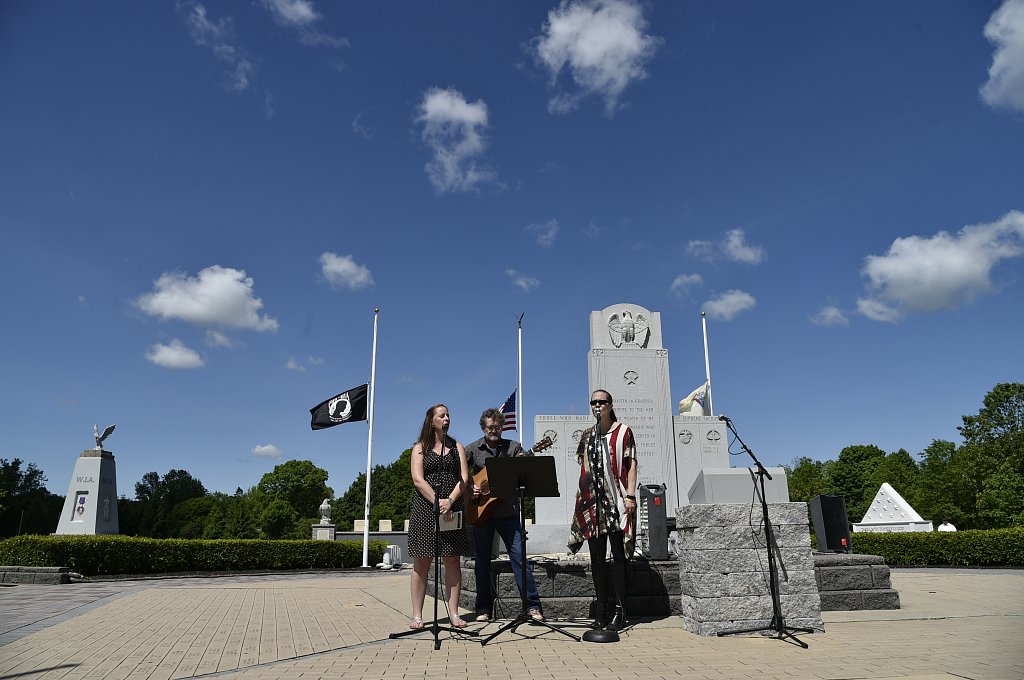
<point x="979" y="548"/>
<point x="110" y="555"/>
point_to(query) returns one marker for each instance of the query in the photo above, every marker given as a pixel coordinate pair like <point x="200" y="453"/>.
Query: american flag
<point x="508" y="409"/>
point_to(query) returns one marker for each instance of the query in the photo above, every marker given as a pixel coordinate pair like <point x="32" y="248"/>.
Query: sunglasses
<point x="600" y="402"/>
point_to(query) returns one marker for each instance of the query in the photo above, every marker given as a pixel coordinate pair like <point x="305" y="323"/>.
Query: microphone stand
<point x="435" y="627"/>
<point x="778" y="622"/>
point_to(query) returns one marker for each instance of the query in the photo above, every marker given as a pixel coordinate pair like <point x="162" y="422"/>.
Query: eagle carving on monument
<point x="627" y="331"/>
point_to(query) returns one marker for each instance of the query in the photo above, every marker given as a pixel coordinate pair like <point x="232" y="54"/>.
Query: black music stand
<point x="521" y="476"/>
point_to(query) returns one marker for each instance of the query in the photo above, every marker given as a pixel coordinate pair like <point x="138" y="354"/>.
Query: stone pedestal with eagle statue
<point x="91" y="504"/>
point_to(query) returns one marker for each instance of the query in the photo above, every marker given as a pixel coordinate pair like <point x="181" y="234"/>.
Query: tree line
<point x="978" y="485"/>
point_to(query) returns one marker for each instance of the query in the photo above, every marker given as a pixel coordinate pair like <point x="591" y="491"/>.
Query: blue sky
<point x="201" y="204"/>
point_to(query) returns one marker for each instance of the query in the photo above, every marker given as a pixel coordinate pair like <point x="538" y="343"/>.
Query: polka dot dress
<point x="421" y="524"/>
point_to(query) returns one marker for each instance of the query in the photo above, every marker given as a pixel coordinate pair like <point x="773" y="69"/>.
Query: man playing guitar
<point x="501" y="515"/>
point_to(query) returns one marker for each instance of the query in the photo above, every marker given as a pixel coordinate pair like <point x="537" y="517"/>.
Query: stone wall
<point x="854" y="582"/>
<point x="37" y="575"/>
<point x="723" y="563"/>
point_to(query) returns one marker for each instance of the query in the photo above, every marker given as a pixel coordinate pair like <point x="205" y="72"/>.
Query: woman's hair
<point x="426" y="437"/>
<point x="614" y="417"/>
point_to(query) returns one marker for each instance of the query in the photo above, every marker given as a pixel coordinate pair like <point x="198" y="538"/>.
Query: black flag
<point x="342" y="408"/>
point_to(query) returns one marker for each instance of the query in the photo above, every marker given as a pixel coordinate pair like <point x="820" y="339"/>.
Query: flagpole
<point x="707" y="362"/>
<point x="519" y="401"/>
<point x="369" y="445"/>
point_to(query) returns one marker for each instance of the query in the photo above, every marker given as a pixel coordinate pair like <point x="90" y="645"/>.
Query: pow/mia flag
<point x="342" y="408"/>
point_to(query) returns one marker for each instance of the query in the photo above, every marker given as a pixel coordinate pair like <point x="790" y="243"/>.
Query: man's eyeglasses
<point x="599" y="402"/>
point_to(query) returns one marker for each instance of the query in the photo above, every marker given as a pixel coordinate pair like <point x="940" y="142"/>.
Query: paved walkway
<point x="953" y="624"/>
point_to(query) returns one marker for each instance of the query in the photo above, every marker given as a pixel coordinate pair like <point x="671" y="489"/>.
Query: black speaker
<point x="828" y="512"/>
<point x="652" y="506"/>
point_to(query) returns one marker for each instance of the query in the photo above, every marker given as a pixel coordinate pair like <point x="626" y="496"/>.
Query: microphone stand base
<point x="600" y="636"/>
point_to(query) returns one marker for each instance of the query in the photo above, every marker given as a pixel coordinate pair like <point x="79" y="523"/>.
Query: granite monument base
<point x="723" y="563"/>
<point x="566" y="588"/>
<point x="324" y="532"/>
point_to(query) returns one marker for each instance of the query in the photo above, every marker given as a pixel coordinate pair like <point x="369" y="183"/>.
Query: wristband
<point x="631" y="498"/>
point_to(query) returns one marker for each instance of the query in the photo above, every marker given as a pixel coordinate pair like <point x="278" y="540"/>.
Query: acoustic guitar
<point x="479" y="510"/>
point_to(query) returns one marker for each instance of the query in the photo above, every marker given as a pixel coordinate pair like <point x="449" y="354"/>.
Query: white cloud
<point x="267" y="451"/>
<point x="526" y="283"/>
<point x="341" y="271"/>
<point x="877" y="311"/>
<point x="729" y="304"/>
<point x="218" y="37"/>
<point x="454" y="129"/>
<point x="545" y="232"/>
<point x="592" y="230"/>
<point x="364" y="131"/>
<point x="292" y="12"/>
<point x="737" y="249"/>
<point x="702" y="249"/>
<point x="1005" y="86"/>
<point x="603" y="46"/>
<point x="302" y="16"/>
<point x="684" y="282"/>
<point x="218" y="339"/>
<point x="944" y="271"/>
<point x="315" y="361"/>
<point x="174" y="355"/>
<point x="830" y="315"/>
<point x="293" y="365"/>
<point x="733" y="247"/>
<point x="217" y="296"/>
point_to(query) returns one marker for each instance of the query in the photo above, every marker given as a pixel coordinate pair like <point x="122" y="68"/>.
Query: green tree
<point x="277" y="518"/>
<point x="900" y="471"/>
<point x="1001" y="414"/>
<point x="28" y="506"/>
<point x="1001" y="501"/>
<point x="391" y="491"/>
<point x="808" y="478"/>
<point x="299" y="483"/>
<point x="939" y="486"/>
<point x="189" y="518"/>
<point x="852" y="477"/>
<point x="158" y="496"/>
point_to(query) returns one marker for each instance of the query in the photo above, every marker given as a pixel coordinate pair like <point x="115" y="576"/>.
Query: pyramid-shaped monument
<point x="890" y="512"/>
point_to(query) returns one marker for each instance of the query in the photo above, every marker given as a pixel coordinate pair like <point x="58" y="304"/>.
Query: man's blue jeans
<point x="512" y="536"/>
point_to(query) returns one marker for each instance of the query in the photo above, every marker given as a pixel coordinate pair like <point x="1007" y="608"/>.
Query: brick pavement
<point x="953" y="624"/>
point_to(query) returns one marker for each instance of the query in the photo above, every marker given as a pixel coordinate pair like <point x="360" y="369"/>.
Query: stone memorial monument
<point x="628" y="358"/>
<point x="91" y="504"/>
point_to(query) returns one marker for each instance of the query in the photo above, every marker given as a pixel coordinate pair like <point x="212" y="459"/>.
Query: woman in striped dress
<point x="606" y="505"/>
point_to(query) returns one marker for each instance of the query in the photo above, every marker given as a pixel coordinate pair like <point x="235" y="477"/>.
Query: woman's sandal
<point x="417" y="623"/>
<point x="457" y="622"/>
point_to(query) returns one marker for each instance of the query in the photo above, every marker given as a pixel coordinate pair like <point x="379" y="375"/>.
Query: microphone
<point x="724" y="419"/>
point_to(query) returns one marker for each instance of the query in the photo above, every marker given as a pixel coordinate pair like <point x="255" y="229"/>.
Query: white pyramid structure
<point x="890" y="512"/>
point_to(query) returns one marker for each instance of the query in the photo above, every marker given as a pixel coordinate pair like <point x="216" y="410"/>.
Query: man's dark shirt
<point x="477" y="454"/>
